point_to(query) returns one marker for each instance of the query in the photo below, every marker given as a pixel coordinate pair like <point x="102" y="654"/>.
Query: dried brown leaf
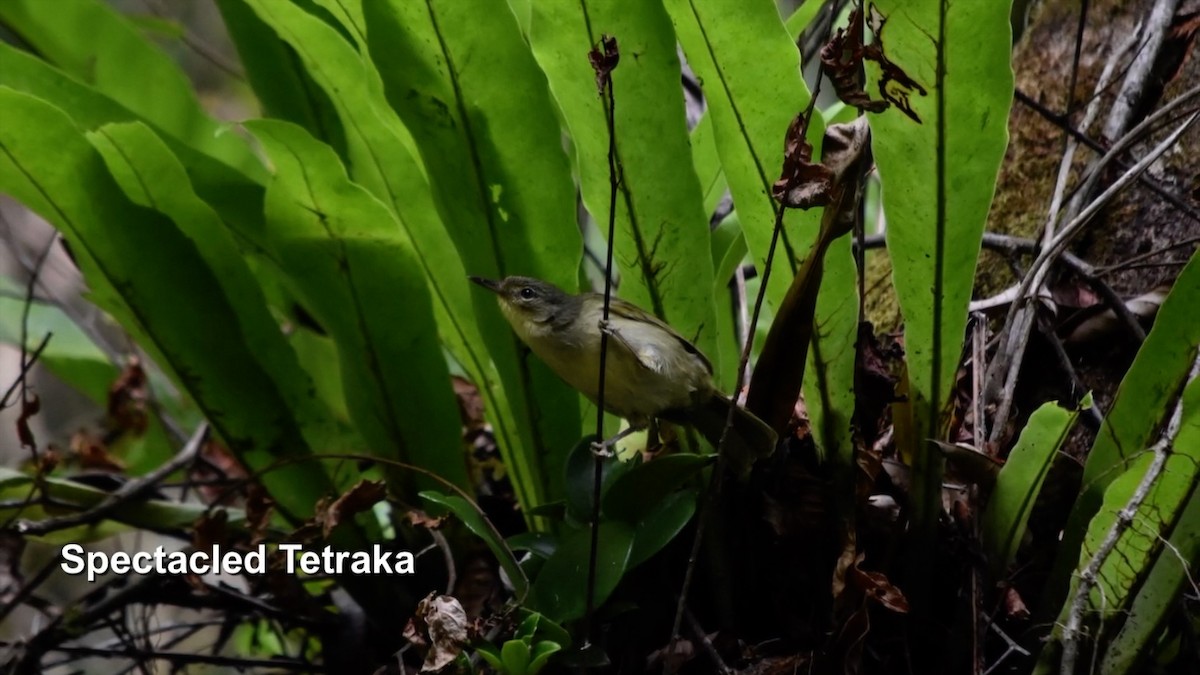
<point x="93" y="454"/>
<point x="211" y="529"/>
<point x="441" y="624"/>
<point x="802" y="184"/>
<point x="604" y="58"/>
<point x="127" y="398"/>
<point x="1014" y="605"/>
<point x="364" y="495"/>
<point x="30" y="405"/>
<point x="877" y="587"/>
<point x="419" y="518"/>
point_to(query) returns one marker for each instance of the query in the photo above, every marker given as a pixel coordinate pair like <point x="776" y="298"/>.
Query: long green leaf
<point x="749" y="67"/>
<point x="170" y="297"/>
<point x="234" y="194"/>
<point x="476" y="521"/>
<point x="1140" y="547"/>
<point x="345" y="255"/>
<point x="381" y="157"/>
<point x="661" y="248"/>
<point x="750" y="71"/>
<point x="153" y="178"/>
<point x="1158" y="598"/>
<point x="1140" y="408"/>
<point x="704" y="150"/>
<point x="97" y="45"/>
<point x="939" y="174"/>
<point x="1020" y="481"/>
<point x="486" y="131"/>
<point x="282" y="86"/>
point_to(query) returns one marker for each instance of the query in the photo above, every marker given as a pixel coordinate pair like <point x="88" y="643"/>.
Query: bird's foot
<point x="607" y="447"/>
<point x="606" y="327"/>
<point x="603" y="449"/>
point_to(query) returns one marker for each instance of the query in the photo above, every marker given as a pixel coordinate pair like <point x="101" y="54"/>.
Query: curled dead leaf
<point x="440" y="624"/>
<point x="877" y="587"/>
<point x="127" y="399"/>
<point x="842" y="61"/>
<point x="30" y="405"/>
<point x="802" y="184"/>
<point x="93" y="454"/>
<point x="364" y="495"/>
<point x="1014" y="605"/>
<point x="258" y="512"/>
<point x="604" y="58"/>
<point x="419" y="518"/>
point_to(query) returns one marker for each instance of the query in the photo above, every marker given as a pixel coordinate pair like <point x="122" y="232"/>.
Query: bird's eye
<point x="527" y="293"/>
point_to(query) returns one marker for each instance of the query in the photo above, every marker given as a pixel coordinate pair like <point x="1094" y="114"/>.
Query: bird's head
<point x="525" y="299"/>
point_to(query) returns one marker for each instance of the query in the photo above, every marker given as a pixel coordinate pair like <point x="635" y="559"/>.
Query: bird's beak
<point x="493" y="286"/>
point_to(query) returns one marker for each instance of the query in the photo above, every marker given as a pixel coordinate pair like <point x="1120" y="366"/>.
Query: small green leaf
<point x="515" y="654"/>
<point x="540" y="544"/>
<point x="633" y="496"/>
<point x="549" y="630"/>
<point x="528" y="626"/>
<point x="1020" y="481"/>
<point x="1155" y="377"/>
<point x="477" y="523"/>
<point x="559" y="591"/>
<point x="491" y="654"/>
<point x="542" y="652"/>
<point x="659" y="527"/>
<point x="95" y="44"/>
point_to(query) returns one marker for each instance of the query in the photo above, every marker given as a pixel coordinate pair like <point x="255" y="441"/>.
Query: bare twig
<point x="1070" y="144"/>
<point x="186" y="658"/>
<point x="29" y="587"/>
<point x="1095" y="413"/>
<point x="707" y="645"/>
<point x="1143" y="180"/>
<point x="131" y="491"/>
<point x="26" y="365"/>
<point x="1134" y="86"/>
<point x="1013" y="646"/>
<point x="1003" y="373"/>
<point x="604" y="58"/>
<point x="1089" y="577"/>
<point x="1132" y="262"/>
<point x="1084" y="270"/>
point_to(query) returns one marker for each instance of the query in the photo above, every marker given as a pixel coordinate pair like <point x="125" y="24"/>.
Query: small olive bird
<point x="651" y="371"/>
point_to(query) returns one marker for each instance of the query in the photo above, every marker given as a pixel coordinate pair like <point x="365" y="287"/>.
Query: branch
<point x="129" y="492"/>
<point x="1089" y="577"/>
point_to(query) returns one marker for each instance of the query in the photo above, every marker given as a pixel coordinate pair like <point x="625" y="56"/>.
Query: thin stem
<point x="614" y="179"/>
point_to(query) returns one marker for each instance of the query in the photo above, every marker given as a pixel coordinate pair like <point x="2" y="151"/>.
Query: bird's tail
<point x="749" y="439"/>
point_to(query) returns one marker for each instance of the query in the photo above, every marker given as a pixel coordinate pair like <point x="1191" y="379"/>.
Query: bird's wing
<point x="649" y="358"/>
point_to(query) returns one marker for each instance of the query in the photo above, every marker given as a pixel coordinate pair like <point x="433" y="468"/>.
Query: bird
<point x="651" y="371"/>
